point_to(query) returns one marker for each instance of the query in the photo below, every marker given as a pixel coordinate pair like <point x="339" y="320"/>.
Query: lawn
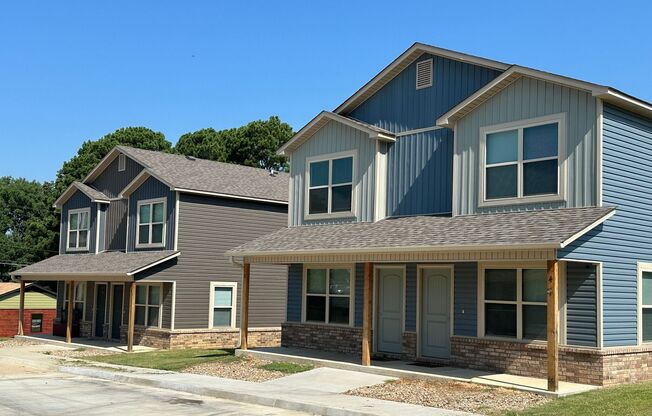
<point x="287" y="368"/>
<point x="4" y="339"/>
<point x="627" y="400"/>
<point x="175" y="360"/>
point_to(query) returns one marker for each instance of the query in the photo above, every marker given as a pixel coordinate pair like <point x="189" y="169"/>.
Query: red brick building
<point x="40" y="309"/>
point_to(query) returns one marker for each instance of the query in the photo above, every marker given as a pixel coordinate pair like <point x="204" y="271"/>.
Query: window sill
<point x="150" y="246"/>
<point x="336" y="215"/>
<point x="521" y="201"/>
<point x="75" y="250"/>
<point x="520" y="341"/>
<point x="327" y="324"/>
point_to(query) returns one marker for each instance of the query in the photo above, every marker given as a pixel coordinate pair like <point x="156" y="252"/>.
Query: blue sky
<point x="73" y="71"/>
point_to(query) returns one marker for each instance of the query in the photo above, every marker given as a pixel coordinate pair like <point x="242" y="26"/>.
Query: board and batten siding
<point x="581" y="304"/>
<point x="465" y="308"/>
<point x="76" y="201"/>
<point x="152" y="188"/>
<point x="208" y="227"/>
<point x="116" y="225"/>
<point x="111" y="182"/>
<point x="399" y="106"/>
<point x="334" y="138"/>
<point x="624" y="239"/>
<point x="525" y="99"/>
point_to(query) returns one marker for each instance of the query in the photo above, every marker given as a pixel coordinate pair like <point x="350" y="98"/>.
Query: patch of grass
<point x="175" y="360"/>
<point x="287" y="368"/>
<point x="80" y="349"/>
<point x="628" y="400"/>
<point x="2" y="339"/>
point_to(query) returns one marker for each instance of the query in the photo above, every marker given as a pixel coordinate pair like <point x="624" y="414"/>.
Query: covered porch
<point x="521" y="242"/>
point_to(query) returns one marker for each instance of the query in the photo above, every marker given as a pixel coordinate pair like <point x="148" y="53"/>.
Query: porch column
<point x="553" y="324"/>
<point x="71" y="305"/>
<point x="244" y="308"/>
<point x="21" y="308"/>
<point x="132" y="317"/>
<point x="366" y="313"/>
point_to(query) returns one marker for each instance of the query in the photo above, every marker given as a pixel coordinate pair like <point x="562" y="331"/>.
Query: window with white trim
<point x="646" y="306"/>
<point x="328" y="297"/>
<point x="330" y="186"/>
<point x="223" y="303"/>
<point x="522" y="163"/>
<point x="78" y="228"/>
<point x="80" y="297"/>
<point x="150" y="229"/>
<point x="514" y="303"/>
<point x="148" y="305"/>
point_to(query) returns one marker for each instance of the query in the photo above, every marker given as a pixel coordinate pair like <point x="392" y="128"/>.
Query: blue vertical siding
<point x="399" y="106"/>
<point x="420" y="174"/>
<point x="581" y="305"/>
<point x="76" y="201"/>
<point x="295" y="292"/>
<point x="465" y="309"/>
<point x="624" y="239"/>
<point x="111" y="181"/>
<point x="150" y="189"/>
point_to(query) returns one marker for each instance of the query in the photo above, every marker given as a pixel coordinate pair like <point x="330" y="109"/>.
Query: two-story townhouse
<point x="142" y="248"/>
<point x="466" y="211"/>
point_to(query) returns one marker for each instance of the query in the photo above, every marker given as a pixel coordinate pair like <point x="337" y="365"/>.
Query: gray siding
<point x="116" y="225"/>
<point x="150" y="189"/>
<point x="529" y="98"/>
<point x="295" y="292"/>
<point x="112" y="182"/>
<point x="208" y="227"/>
<point x="333" y="138"/>
<point x="78" y="200"/>
<point x="166" y="320"/>
<point x="466" y="299"/>
<point x="581" y="305"/>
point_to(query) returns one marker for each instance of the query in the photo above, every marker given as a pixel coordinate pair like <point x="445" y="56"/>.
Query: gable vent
<point x="122" y="162"/>
<point x="424" y="74"/>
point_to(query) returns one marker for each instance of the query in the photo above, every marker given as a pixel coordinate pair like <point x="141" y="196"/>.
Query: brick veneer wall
<point x="202" y="338"/>
<point x="331" y="338"/>
<point x="9" y="321"/>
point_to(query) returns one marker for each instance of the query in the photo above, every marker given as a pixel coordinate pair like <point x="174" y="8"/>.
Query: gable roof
<point x="192" y="175"/>
<point x="515" y="72"/>
<point x="7" y="288"/>
<point x="402" y="62"/>
<point x="322" y="119"/>
<point x="92" y="193"/>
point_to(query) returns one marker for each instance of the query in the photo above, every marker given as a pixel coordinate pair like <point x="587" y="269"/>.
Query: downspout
<point x="241" y="266"/>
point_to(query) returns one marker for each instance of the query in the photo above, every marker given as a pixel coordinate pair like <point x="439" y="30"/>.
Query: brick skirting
<point x="202" y="338"/>
<point x="9" y="321"/>
<point x="333" y="338"/>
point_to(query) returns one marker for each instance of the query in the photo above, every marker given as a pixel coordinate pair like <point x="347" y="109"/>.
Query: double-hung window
<point x="514" y="303"/>
<point x="148" y="305"/>
<point x="223" y="300"/>
<point x="330" y="189"/>
<point x="328" y="295"/>
<point x="79" y="300"/>
<point x="646" y="304"/>
<point x="523" y="163"/>
<point x="78" y="228"/>
<point x="150" y="229"/>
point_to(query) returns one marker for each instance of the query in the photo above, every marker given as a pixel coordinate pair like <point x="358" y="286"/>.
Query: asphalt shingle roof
<point x="110" y="263"/>
<point x="543" y="227"/>
<point x="209" y="176"/>
<point x="91" y="192"/>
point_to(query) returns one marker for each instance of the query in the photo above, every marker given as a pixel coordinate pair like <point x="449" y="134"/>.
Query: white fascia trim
<point x="139" y="180"/>
<point x="625" y="100"/>
<point x="586" y="229"/>
<point x="163" y="260"/>
<point x="176" y="220"/>
<point x="599" y="153"/>
<point x="106" y="160"/>
<point x="97" y="232"/>
<point x="65" y="196"/>
<point x="221" y="195"/>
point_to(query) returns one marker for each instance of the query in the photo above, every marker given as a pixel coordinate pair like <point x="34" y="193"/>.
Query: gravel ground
<point x="244" y="368"/>
<point x="452" y="395"/>
<point x="80" y="353"/>
<point x="10" y="343"/>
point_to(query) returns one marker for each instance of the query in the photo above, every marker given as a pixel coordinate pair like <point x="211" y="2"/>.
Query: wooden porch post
<point x="21" y="308"/>
<point x="244" y="308"/>
<point x="367" y="301"/>
<point x="71" y="305"/>
<point x="132" y="317"/>
<point x="553" y="324"/>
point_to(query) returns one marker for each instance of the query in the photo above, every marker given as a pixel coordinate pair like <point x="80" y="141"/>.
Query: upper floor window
<point x="78" y="228"/>
<point x="523" y="162"/>
<point x="330" y="186"/>
<point x="150" y="228"/>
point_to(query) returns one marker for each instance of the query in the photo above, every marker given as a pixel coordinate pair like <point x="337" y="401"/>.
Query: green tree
<point x="28" y="224"/>
<point x="204" y="144"/>
<point x="92" y="151"/>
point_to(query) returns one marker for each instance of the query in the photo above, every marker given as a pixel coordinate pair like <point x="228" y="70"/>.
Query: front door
<point x="116" y="312"/>
<point x="389" y="322"/>
<point x="435" y="312"/>
<point x="100" y="310"/>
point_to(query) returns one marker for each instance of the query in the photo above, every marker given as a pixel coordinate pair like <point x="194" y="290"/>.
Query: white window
<point x="523" y="162"/>
<point x="78" y="226"/>
<point x="122" y="162"/>
<point x="513" y="303"/>
<point x="223" y="305"/>
<point x="79" y="299"/>
<point x="148" y="305"/>
<point x="150" y="229"/>
<point x="645" y="302"/>
<point x="328" y="295"/>
<point x="330" y="190"/>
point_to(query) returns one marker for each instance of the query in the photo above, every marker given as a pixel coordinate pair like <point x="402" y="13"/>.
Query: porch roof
<point x="110" y="265"/>
<point x="542" y="230"/>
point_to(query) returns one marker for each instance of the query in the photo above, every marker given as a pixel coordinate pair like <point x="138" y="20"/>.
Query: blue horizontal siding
<point x="624" y="239"/>
<point x="581" y="305"/>
<point x="465" y="309"/>
<point x="295" y="292"/>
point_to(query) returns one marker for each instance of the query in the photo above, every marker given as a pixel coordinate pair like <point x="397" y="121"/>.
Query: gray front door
<point x="435" y="313"/>
<point x="389" y="322"/>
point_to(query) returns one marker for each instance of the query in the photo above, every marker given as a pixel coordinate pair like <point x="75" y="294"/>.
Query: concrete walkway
<point x="81" y="342"/>
<point x="406" y="369"/>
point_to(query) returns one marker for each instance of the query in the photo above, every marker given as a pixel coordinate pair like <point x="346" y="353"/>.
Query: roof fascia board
<point x="221" y="195"/>
<point x="65" y="196"/>
<point x="163" y="260"/>
<point x="626" y="101"/>
<point x="80" y="277"/>
<point x="588" y="228"/>
<point x="139" y="180"/>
